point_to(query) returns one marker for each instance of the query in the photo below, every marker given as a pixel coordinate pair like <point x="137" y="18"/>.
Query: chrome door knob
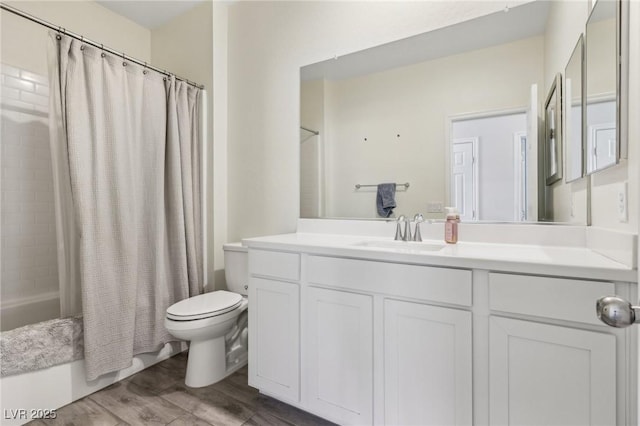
<point x="617" y="312"/>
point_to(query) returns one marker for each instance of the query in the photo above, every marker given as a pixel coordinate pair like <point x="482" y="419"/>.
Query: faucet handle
<point x="402" y="218"/>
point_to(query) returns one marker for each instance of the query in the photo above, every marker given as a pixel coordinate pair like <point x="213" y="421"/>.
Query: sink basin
<point x="402" y="245"/>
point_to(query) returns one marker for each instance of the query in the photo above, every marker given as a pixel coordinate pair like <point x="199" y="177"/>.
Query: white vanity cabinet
<point x="427" y="365"/>
<point x="425" y="351"/>
<point x="550" y="375"/>
<point x="360" y="341"/>
<point x="274" y="323"/>
<point x="545" y="372"/>
<point x="339" y="354"/>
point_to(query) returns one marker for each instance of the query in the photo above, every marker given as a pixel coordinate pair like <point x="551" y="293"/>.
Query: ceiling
<point x="149" y="14"/>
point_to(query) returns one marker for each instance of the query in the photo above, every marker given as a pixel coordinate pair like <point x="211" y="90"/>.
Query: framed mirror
<point x="573" y="114"/>
<point x="553" y="132"/>
<point x="602" y="78"/>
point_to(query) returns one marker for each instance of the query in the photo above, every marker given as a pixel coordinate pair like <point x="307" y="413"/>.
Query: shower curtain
<point x="127" y="168"/>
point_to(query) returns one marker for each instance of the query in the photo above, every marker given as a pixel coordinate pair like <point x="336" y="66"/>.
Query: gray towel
<point x="386" y="199"/>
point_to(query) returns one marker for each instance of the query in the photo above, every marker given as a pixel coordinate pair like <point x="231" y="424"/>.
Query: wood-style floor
<point x="158" y="396"/>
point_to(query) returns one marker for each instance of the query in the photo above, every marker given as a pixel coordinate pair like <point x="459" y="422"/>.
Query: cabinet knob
<point x="617" y="312"/>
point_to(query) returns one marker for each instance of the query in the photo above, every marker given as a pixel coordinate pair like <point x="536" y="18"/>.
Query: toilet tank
<point x="236" y="267"/>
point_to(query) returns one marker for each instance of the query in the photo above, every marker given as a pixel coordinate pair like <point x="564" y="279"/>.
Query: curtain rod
<point x="91" y="42"/>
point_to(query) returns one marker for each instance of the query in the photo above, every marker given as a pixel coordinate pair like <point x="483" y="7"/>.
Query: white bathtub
<point x="57" y="386"/>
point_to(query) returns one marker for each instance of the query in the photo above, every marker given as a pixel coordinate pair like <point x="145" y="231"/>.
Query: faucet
<point x="406" y="235"/>
<point x="418" y="219"/>
<point x="399" y="236"/>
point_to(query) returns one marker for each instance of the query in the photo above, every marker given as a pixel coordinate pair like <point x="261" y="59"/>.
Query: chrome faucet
<point x="406" y="235"/>
<point x="399" y="236"/>
<point x="418" y="219"/>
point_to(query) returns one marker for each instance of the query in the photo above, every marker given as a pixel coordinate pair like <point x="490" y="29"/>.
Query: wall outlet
<point x="623" y="214"/>
<point x="435" y="207"/>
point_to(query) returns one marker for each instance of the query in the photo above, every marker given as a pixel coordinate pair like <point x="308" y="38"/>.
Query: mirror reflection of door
<point x="464" y="172"/>
<point x="494" y="187"/>
<point x="601" y="146"/>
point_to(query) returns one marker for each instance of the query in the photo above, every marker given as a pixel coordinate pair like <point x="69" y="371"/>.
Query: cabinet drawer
<point x="557" y="298"/>
<point x="413" y="281"/>
<point x="275" y="264"/>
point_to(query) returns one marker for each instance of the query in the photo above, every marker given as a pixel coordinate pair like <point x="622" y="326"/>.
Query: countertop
<point x="573" y="262"/>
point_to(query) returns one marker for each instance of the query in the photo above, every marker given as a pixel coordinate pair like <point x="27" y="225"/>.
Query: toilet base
<point x="207" y="362"/>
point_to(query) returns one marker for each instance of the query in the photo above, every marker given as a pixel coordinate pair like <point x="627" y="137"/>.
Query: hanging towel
<point x="386" y="199"/>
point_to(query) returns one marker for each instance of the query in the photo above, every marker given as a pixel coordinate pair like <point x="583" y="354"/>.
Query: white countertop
<point x="575" y="262"/>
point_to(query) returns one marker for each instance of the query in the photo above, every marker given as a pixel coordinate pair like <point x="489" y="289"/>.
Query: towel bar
<point x="406" y="185"/>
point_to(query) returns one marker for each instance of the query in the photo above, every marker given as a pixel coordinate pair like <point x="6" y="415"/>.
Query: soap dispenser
<point x="451" y="225"/>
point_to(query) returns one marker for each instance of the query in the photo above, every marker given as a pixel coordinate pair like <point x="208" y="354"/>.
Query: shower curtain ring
<point x="82" y="42"/>
<point x="102" y="48"/>
<point x="124" y="60"/>
<point x="58" y="36"/>
<point x="144" y="71"/>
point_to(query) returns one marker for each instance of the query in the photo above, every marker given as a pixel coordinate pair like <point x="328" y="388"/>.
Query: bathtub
<point x="15" y="313"/>
<point x="36" y="392"/>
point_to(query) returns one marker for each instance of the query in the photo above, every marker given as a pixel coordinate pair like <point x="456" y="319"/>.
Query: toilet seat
<point x="205" y="305"/>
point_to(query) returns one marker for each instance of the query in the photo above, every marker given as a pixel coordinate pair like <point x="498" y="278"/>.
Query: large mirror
<point x="602" y="79"/>
<point x="450" y="116"/>
<point x="573" y="113"/>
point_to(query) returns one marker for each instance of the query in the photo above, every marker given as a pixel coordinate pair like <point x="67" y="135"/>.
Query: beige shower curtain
<point x="128" y="168"/>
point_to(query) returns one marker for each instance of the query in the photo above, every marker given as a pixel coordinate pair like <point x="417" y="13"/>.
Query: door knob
<point x="617" y="312"/>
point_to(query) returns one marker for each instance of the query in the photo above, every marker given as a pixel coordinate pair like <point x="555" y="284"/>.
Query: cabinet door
<point x="427" y="365"/>
<point x="339" y="335"/>
<point x="550" y="375"/>
<point x="274" y="342"/>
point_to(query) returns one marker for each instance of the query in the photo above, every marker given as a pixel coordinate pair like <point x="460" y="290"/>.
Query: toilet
<point x="215" y="323"/>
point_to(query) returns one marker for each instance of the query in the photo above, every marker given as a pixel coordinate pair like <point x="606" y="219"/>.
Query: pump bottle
<point x="451" y="225"/>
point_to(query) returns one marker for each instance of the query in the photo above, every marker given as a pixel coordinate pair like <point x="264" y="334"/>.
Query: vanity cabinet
<point x="360" y="341"/>
<point x="427" y="365"/>
<point x="425" y="354"/>
<point x="543" y="374"/>
<point x="550" y="373"/>
<point x="339" y="354"/>
<point x="274" y="324"/>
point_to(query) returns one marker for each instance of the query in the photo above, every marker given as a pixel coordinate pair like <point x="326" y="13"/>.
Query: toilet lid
<point x="204" y="305"/>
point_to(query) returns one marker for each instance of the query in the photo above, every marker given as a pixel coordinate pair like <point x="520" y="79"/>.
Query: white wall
<point x="184" y="46"/>
<point x="29" y="271"/>
<point x="218" y="230"/>
<point x="24" y="43"/>
<point x="268" y="43"/>
<point x="415" y="103"/>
